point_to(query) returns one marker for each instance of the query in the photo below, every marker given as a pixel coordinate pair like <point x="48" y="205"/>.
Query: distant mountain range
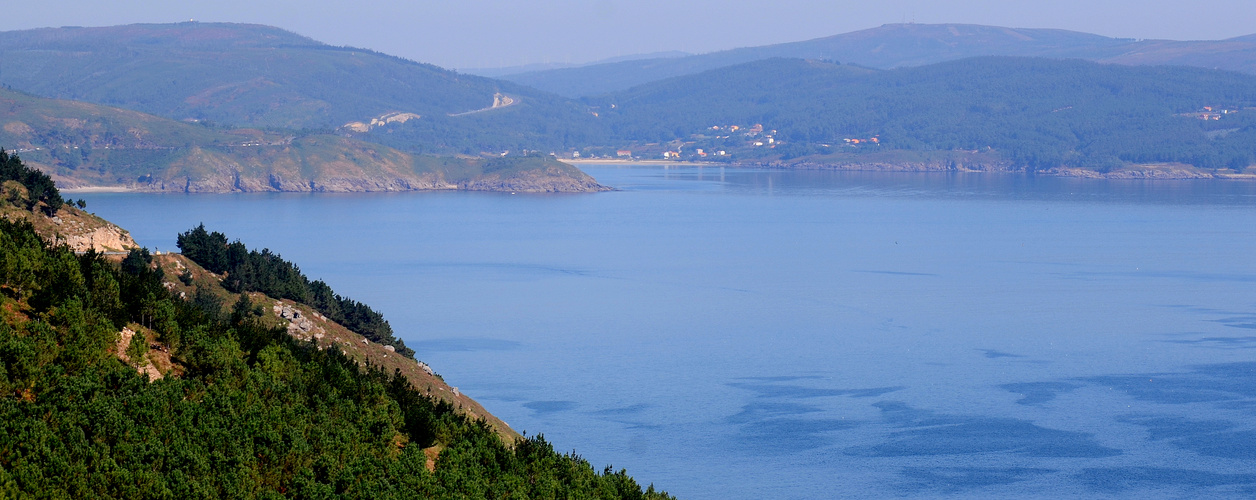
<point x="259" y="76"/>
<point x="900" y="45"/>
<point x="248" y="107"/>
<point x="498" y="72"/>
<point x="1018" y="112"/>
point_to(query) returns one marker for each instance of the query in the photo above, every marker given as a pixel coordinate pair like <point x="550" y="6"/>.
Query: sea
<point x="726" y="333"/>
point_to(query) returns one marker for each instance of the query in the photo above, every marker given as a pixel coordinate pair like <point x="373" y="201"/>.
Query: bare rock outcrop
<point x="108" y="238"/>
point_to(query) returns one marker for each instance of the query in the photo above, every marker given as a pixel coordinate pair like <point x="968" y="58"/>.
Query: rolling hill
<point x="900" y="45"/>
<point x="259" y="76"/>
<point x="1022" y="112"/>
<point x="87" y="145"/>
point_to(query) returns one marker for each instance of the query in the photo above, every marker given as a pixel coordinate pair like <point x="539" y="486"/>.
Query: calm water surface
<point x="756" y="334"/>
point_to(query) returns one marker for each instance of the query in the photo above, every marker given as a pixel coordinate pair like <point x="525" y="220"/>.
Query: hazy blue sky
<point x="486" y="33"/>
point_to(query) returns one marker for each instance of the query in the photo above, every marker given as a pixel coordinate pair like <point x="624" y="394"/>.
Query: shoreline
<point x="1133" y="174"/>
<point x="97" y="189"/>
<point x="577" y="161"/>
<point x="1148" y="172"/>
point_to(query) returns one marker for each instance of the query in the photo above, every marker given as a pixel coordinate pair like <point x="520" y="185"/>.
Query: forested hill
<point x="1034" y="113"/>
<point x="901" y="45"/>
<point x="82" y="144"/>
<point x="112" y="385"/>
<point x="251" y="75"/>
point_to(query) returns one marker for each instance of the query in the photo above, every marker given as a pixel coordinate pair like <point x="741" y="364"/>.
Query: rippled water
<point x="766" y="334"/>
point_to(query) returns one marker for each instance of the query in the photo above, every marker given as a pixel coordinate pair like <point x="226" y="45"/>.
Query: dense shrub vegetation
<point x="257" y="414"/>
<point x="267" y="272"/>
<point x="39" y="187"/>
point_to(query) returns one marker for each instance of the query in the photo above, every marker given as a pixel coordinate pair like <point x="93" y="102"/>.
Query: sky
<point x="464" y="34"/>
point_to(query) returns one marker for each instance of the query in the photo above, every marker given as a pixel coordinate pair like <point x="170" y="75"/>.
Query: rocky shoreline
<point x="548" y="180"/>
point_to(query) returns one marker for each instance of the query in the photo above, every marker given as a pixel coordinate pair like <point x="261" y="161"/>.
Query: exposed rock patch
<point x="146" y="367"/>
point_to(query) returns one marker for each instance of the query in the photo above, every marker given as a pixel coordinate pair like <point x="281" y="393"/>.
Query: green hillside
<point x="1034" y="113"/>
<point x="82" y="144"/>
<point x="259" y="76"/>
<point x="112" y="385"/>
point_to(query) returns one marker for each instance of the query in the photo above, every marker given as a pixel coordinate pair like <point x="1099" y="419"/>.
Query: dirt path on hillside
<point x="499" y="101"/>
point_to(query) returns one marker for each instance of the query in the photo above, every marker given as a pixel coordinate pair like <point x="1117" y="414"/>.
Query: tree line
<point x="266" y="272"/>
<point x="39" y="187"/>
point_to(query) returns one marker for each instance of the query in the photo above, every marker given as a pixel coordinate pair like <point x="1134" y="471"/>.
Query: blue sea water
<point x="727" y="333"/>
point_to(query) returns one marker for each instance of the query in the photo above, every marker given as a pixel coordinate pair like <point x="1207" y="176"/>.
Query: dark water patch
<point x="872" y="393"/>
<point x="1202" y="384"/>
<point x="1160" y="428"/>
<point x="1192" y="308"/>
<point x="993" y="354"/>
<point x="790" y="435"/>
<point x="1165" y="389"/>
<point x="962" y="479"/>
<point x="541" y="407"/>
<point x="1244" y="322"/>
<point x="623" y="411"/>
<point x="894" y="273"/>
<point x="930" y="434"/>
<point x="1218" y="342"/>
<point x="1036" y="393"/>
<point x="1214" y="438"/>
<point x="759" y="410"/>
<point x="1245" y="405"/>
<point x="464" y="345"/>
<point x="1118" y="479"/>
<point x="1195" y="277"/>
<point x="788" y="391"/>
<point x="1237" y="445"/>
<point x="803" y="392"/>
<point x="788" y="378"/>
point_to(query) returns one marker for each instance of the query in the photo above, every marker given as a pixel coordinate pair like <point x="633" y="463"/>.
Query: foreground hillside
<point x="998" y="112"/>
<point x="905" y="45"/>
<point x="88" y="145"/>
<point x="260" y="76"/>
<point x="116" y="382"/>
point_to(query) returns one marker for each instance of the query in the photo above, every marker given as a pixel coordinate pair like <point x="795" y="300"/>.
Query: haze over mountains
<point x="259" y="76"/>
<point x="498" y="72"/>
<point x="1018" y="112"/>
<point x="899" y="45"/>
<point x="314" y="112"/>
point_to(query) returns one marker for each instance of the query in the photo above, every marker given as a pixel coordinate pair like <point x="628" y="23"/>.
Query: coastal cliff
<point x="326" y="164"/>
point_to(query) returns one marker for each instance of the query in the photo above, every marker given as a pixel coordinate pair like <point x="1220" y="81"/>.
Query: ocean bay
<point x="733" y="333"/>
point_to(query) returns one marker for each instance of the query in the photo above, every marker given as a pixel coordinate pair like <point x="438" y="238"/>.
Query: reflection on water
<point x="729" y="333"/>
<point x="953" y="185"/>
